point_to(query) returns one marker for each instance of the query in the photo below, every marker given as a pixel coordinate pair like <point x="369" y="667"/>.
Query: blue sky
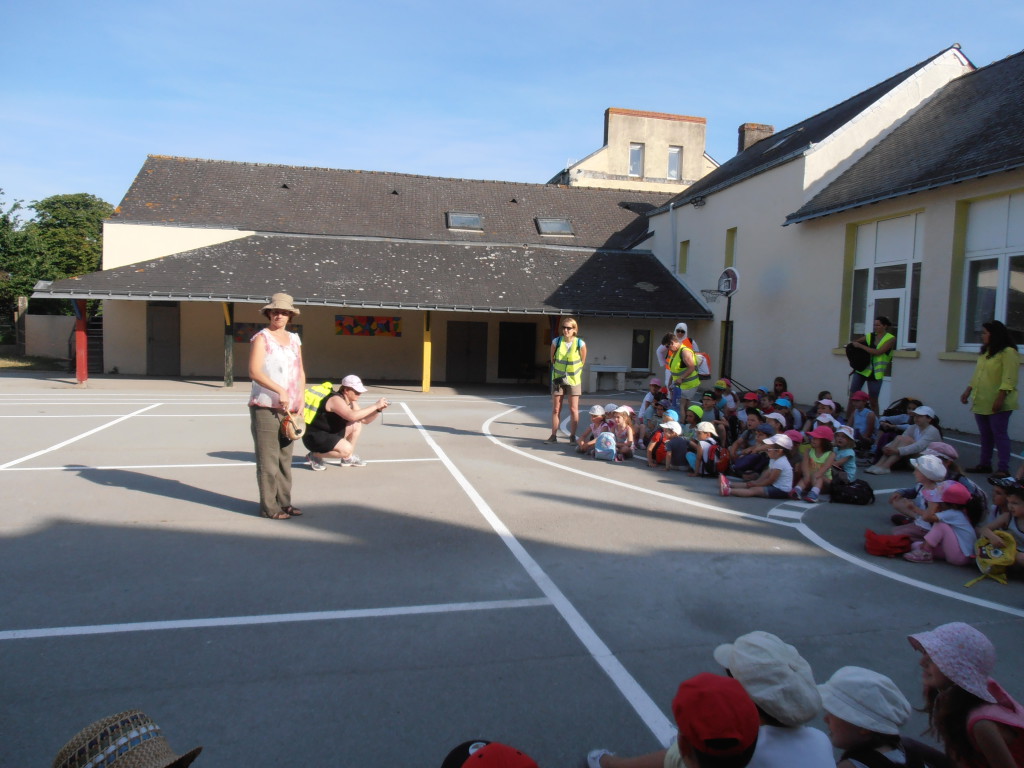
<point x="494" y="90"/>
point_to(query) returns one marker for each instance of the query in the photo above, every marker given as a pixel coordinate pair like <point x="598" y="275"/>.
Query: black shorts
<point x="318" y="441"/>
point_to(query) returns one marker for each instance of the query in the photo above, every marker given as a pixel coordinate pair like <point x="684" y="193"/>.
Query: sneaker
<point x="552" y="439"/>
<point x="794" y="494"/>
<point x="811" y="496"/>
<point x="317" y="465"/>
<point x="594" y="758"/>
<point x="723" y="485"/>
<point x="900" y="519"/>
<point x="918" y="556"/>
<point x="353" y="461"/>
<point x="880" y="470"/>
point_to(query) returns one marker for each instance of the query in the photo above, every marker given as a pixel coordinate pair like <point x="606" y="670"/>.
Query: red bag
<point x="883" y="545"/>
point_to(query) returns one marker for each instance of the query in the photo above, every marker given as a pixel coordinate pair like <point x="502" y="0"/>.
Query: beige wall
<point x="47" y="335"/>
<point x="609" y="166"/>
<point x="789" y="314"/>
<point x="131" y="243"/>
<point x="124" y="336"/>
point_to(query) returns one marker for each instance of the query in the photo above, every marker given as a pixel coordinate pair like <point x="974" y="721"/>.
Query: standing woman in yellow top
<point x="994" y="385"/>
<point x="568" y="354"/>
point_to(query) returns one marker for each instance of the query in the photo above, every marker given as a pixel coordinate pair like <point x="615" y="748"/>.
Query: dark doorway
<point x="516" y="345"/>
<point x="163" y="338"/>
<point x="641" y="358"/>
<point x="466" y="356"/>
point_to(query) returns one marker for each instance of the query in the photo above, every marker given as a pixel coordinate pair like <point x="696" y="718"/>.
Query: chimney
<point x="751" y="133"/>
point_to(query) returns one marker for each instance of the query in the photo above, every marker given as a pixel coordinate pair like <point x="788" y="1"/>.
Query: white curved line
<point x="806" y="532"/>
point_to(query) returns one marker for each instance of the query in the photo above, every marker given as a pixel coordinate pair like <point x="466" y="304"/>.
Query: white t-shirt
<point x="784" y="482"/>
<point x="800" y="747"/>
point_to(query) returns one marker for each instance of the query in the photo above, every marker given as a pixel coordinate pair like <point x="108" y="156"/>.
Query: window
<point x="675" y="163"/>
<point x="730" y="247"/>
<point x="464" y="221"/>
<point x="636" y="159"/>
<point x="887" y="277"/>
<point x="993" y="268"/>
<point x="684" y="256"/>
<point x="554" y="226"/>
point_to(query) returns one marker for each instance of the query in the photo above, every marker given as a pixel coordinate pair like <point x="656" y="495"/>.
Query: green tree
<point x="63" y="239"/>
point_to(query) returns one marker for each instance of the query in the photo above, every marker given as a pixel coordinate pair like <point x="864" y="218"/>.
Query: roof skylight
<point x="465" y="221"/>
<point x="552" y="226"/>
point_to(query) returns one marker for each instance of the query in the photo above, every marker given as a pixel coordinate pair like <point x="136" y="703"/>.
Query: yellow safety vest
<point x="314" y="396"/>
<point x="676" y="367"/>
<point x="876" y="370"/>
<point x="568" y="362"/>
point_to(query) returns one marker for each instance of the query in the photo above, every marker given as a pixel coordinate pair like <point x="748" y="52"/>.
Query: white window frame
<point x="636" y="148"/>
<point x="1010" y="232"/>
<point x="675" y="153"/>
<point x="869" y="258"/>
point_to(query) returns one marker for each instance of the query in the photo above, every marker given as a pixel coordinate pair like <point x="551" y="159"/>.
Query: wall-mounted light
<point x="697" y="202"/>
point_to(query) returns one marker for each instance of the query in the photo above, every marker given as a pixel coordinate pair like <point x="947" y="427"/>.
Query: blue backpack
<point x="604" y="448"/>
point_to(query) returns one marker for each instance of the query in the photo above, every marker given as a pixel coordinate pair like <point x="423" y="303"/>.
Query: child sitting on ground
<point x="699" y="454"/>
<point x="1010" y="520"/>
<point x="675" y="450"/>
<point x="623" y="429"/>
<point x="775" y="482"/>
<point x="585" y="442"/>
<point x="691" y="418"/>
<point x="747" y="440"/>
<point x="930" y="476"/>
<point x="863" y="421"/>
<point x="657" y="445"/>
<point x="844" y="465"/>
<point x="816" y="466"/>
<point x="864" y="712"/>
<point x="952" y="535"/>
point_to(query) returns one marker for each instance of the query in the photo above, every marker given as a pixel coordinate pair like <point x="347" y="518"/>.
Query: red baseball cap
<point x="715" y="715"/>
<point x="480" y="753"/>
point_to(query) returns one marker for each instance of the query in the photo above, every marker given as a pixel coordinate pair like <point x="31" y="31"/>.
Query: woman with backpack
<point x="878" y="345"/>
<point x="994" y="386"/>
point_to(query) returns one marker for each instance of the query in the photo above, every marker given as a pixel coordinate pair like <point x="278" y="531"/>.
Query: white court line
<point x="637" y="697"/>
<point x="78" y="437"/>
<point x="800" y="526"/>
<point x="296" y="462"/>
<point x="812" y="536"/>
<point x="275" y="618"/>
<point x="650" y="492"/>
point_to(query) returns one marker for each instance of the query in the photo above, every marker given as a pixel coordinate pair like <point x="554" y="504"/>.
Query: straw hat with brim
<point x="125" y="740"/>
<point x="281" y="301"/>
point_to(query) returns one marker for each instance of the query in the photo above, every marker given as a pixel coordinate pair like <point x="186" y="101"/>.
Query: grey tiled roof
<point x="321" y="201"/>
<point x="971" y="128"/>
<point x="789" y="143"/>
<point x="374" y="273"/>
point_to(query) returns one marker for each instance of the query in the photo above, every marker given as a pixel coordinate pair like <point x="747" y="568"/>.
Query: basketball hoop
<point x="711" y="294"/>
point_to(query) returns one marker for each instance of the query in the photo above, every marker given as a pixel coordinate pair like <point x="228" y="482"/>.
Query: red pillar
<point x="81" y="343"/>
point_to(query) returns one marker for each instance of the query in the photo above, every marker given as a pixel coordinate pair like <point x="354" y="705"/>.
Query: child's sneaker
<point x="795" y="494"/>
<point x="317" y="465"/>
<point x="811" y="496"/>
<point x="723" y="485"/>
<point x="594" y="758"/>
<point x="353" y="461"/>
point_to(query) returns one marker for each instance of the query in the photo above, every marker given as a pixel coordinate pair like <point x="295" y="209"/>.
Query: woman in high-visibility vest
<point x="879" y="344"/>
<point x="568" y="355"/>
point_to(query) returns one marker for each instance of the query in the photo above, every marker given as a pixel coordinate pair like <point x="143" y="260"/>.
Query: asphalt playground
<point x="470" y="581"/>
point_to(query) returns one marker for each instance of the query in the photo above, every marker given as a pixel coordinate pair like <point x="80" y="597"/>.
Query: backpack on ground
<point x="604" y="447"/>
<point x="993" y="561"/>
<point x="885" y="545"/>
<point x="856" y="492"/>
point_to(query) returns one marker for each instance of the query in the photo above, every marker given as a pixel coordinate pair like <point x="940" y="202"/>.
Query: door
<point x="466" y="352"/>
<point x="641" y="356"/>
<point x="163" y="338"/>
<point x="517" y="351"/>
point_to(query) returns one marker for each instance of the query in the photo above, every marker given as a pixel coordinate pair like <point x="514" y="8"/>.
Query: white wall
<point x="130" y="243"/>
<point x="47" y="335"/>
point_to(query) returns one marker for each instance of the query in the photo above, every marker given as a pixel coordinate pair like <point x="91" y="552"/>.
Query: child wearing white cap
<point x="864" y="712"/>
<point x="777" y="479"/>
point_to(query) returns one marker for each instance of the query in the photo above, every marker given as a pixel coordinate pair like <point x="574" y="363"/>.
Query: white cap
<point x="847" y="430"/>
<point x="924" y="410"/>
<point x="672" y="426"/>
<point x="597" y="410"/>
<point x="353" y="382"/>
<point x="865" y="699"/>
<point x="783" y="441"/>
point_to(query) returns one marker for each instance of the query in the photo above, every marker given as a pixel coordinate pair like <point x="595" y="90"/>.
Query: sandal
<point x="282" y="515"/>
<point x="293" y="511"/>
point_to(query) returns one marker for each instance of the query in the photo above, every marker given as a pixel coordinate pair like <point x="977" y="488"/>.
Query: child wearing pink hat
<point x="952" y="534"/>
<point x="979" y="724"/>
<point x="816" y="465"/>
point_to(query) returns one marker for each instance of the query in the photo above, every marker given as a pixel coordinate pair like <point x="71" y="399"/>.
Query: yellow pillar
<point x="426" y="352"/>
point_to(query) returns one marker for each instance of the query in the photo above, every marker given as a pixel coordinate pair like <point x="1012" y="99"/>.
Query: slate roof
<point x="789" y="143"/>
<point x="322" y="201"/>
<point x="375" y="273"/>
<point x="970" y="128"/>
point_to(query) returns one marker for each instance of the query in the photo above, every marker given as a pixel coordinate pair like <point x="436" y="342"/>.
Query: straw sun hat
<point x="125" y="740"/>
<point x="281" y="301"/>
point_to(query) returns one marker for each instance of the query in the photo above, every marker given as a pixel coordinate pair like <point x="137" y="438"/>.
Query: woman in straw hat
<point x="278" y="387"/>
<point x="125" y="740"/>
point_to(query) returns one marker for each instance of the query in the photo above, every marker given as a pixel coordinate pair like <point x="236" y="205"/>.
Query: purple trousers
<point x="994" y="430"/>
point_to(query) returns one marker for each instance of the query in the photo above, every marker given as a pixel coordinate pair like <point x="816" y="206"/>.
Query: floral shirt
<point x="283" y="365"/>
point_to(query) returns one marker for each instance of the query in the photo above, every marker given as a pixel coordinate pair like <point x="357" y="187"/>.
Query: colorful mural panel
<point x="367" y="325"/>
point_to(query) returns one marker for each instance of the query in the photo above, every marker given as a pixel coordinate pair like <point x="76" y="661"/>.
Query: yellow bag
<point x="993" y="561"/>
